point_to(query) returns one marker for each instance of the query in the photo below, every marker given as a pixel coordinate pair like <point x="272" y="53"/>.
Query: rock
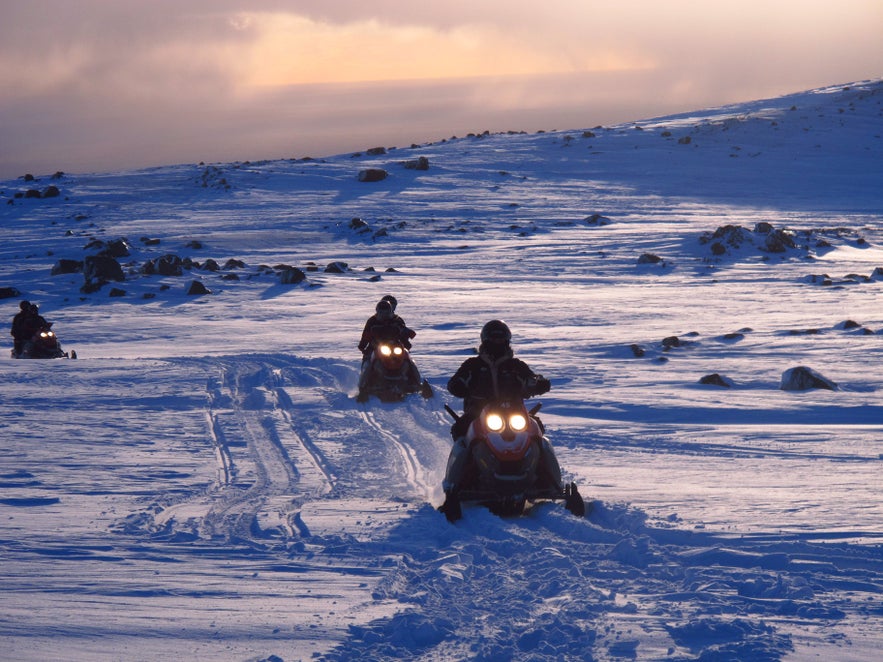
<point x="196" y="287"/>
<point x="778" y="241"/>
<point x="9" y="292"/>
<point x="116" y="292"/>
<point x="715" y="379"/>
<point x="102" y="269"/>
<point x="372" y="175"/>
<point x="649" y="258"/>
<point x="802" y="378"/>
<point x="211" y="265"/>
<point x="420" y="163"/>
<point x="292" y="276"/>
<point x="637" y="350"/>
<point x="671" y="341"/>
<point x="598" y="219"/>
<point x="67" y="266"/>
<point x="376" y="151"/>
<point x="169" y="265"/>
<point x="358" y="225"/>
<point x="233" y="263"/>
<point x="337" y="268"/>
<point x="116" y="248"/>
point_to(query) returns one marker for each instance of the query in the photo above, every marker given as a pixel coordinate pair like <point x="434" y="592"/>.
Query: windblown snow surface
<point x="200" y="484"/>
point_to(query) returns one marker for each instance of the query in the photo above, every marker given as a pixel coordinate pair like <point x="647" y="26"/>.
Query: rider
<point x="23" y="327"/>
<point x="384" y="324"/>
<point x="494" y="374"/>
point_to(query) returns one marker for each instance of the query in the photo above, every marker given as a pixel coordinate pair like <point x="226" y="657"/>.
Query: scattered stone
<point x="372" y="175"/>
<point x="715" y="379"/>
<point x="376" y="151"/>
<point x="99" y="270"/>
<point x="291" y="276"/>
<point x="598" y="220"/>
<point x="420" y="163"/>
<point x="337" y="268"/>
<point x="649" y="258"/>
<point x="116" y="292"/>
<point x="9" y="292"/>
<point x="802" y="378"/>
<point x="169" y="265"/>
<point x="116" y="248"/>
<point x="67" y="266"/>
<point x="358" y="225"/>
<point x="233" y="263"/>
<point x="211" y="265"/>
<point x="197" y="287"/>
<point x="671" y="341"/>
<point x="637" y="350"/>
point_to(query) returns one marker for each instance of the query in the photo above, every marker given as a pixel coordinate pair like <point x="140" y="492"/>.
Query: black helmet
<point x="25" y="305"/>
<point x="383" y="310"/>
<point x="392" y="301"/>
<point x="496" y="332"/>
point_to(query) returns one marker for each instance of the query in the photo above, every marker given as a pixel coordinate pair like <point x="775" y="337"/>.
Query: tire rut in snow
<point x="278" y="471"/>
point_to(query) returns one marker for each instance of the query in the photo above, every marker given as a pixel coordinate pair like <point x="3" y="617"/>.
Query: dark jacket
<point x="25" y="325"/>
<point x="391" y="330"/>
<point x="483" y="378"/>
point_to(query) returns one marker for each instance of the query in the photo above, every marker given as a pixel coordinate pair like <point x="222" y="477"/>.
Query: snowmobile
<point x="43" y="345"/>
<point x="505" y="471"/>
<point x="390" y="374"/>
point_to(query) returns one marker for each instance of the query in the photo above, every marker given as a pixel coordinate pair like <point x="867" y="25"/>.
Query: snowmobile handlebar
<point x="453" y="414"/>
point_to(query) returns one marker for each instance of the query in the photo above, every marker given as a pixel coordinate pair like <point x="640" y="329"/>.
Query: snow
<point x="200" y="483"/>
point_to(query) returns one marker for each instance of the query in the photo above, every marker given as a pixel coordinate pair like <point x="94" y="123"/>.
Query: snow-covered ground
<point x="200" y="483"/>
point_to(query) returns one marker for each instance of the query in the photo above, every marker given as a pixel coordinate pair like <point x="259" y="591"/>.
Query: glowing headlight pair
<point x="386" y="350"/>
<point x="516" y="422"/>
<point x="46" y="334"/>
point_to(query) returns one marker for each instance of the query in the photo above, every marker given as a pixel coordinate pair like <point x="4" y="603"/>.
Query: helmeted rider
<point x="23" y="327"/>
<point x="492" y="375"/>
<point x="384" y="325"/>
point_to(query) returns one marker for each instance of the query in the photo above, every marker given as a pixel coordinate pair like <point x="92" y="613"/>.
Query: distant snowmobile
<point x="390" y="374"/>
<point x="43" y="345"/>
<point x="505" y="472"/>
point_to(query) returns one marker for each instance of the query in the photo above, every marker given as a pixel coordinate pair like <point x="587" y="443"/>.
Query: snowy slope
<point x="200" y="484"/>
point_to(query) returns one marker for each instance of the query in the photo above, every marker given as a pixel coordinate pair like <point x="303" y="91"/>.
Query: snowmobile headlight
<point x="397" y="351"/>
<point x="45" y="334"/>
<point x="517" y="422"/>
<point x="494" y="422"/>
<point x="386" y="350"/>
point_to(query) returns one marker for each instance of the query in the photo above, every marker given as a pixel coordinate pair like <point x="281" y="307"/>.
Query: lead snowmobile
<point x="505" y="469"/>
<point x="43" y="345"/>
<point x="390" y="374"/>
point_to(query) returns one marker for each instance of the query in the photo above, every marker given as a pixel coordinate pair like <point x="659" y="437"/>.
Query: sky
<point x="98" y="85"/>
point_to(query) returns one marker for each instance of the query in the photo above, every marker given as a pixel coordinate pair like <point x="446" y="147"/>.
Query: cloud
<point x="201" y="80"/>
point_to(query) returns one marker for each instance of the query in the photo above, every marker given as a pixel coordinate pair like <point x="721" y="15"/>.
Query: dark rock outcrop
<point x="372" y="175"/>
<point x="802" y="378"/>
